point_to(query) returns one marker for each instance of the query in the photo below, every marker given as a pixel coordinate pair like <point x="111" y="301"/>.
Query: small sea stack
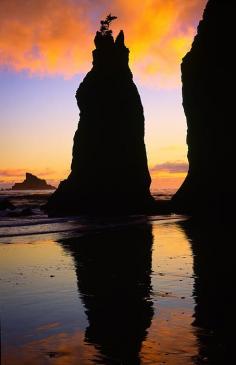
<point x="208" y="100"/>
<point x="109" y="172"/>
<point x="32" y="182"/>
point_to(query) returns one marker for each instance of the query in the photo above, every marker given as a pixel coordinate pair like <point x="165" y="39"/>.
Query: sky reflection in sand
<point x="65" y="303"/>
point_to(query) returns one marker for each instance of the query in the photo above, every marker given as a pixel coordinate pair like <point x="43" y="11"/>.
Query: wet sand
<point x="128" y="293"/>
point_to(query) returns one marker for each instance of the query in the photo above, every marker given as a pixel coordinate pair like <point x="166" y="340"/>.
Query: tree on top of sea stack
<point x="105" y="24"/>
<point x="109" y="172"/>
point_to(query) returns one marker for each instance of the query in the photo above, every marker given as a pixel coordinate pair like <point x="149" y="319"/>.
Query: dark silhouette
<point x="208" y="100"/>
<point x="6" y="204"/>
<point x="32" y="182"/>
<point x="105" y="24"/>
<point x="113" y="270"/>
<point x="109" y="171"/>
<point x="214" y="292"/>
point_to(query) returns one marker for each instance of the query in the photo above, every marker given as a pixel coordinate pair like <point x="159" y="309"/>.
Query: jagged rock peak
<point x="109" y="53"/>
<point x="120" y="39"/>
<point x="107" y="41"/>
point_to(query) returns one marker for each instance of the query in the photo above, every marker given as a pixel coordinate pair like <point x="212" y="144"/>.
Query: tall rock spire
<point x="208" y="71"/>
<point x="109" y="170"/>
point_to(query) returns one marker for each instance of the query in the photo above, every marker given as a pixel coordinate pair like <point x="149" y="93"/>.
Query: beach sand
<point x="130" y="290"/>
<point x="44" y="305"/>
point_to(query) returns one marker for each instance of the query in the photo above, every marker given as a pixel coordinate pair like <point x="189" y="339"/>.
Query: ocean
<point x="35" y="221"/>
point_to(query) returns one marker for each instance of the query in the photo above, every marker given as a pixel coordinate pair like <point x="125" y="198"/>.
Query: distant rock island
<point x="109" y="171"/>
<point x="209" y="104"/>
<point x="32" y="182"/>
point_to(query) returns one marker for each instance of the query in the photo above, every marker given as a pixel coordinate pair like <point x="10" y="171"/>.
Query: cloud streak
<point x="16" y="173"/>
<point x="173" y="167"/>
<point x="55" y="36"/>
<point x="170" y="174"/>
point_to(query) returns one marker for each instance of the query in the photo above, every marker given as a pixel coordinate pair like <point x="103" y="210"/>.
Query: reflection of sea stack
<point x="109" y="166"/>
<point x="113" y="270"/>
<point x="32" y="182"/>
<point x="208" y="100"/>
<point x="214" y="278"/>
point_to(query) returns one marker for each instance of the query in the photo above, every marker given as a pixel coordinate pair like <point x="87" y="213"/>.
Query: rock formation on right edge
<point x="208" y="71"/>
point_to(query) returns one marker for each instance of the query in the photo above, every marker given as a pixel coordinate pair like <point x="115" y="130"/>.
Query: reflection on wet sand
<point x="59" y="349"/>
<point x="114" y="280"/>
<point x="214" y="269"/>
<point x="139" y="294"/>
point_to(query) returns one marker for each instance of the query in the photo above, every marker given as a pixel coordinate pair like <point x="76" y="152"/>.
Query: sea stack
<point x="109" y="172"/>
<point x="208" y="71"/>
<point x="32" y="182"/>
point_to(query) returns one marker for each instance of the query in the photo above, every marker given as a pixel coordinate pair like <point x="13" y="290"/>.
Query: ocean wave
<point x="23" y="227"/>
<point x="14" y="223"/>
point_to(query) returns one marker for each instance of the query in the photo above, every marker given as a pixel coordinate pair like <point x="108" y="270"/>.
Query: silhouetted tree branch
<point x="105" y="24"/>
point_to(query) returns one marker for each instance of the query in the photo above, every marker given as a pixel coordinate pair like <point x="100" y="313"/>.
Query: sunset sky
<point x="45" y="52"/>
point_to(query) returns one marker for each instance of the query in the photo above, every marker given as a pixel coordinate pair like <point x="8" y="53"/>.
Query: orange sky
<point x="56" y="36"/>
<point x="53" y="39"/>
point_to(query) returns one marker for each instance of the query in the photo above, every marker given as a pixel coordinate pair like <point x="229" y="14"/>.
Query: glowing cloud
<point x="55" y="36"/>
<point x="170" y="167"/>
<point x="169" y="174"/>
